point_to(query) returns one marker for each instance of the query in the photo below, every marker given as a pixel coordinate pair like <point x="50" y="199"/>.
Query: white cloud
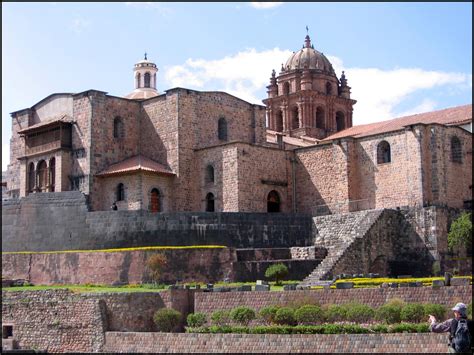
<point x="379" y="93"/>
<point x="5" y="156"/>
<point x="163" y="10"/>
<point x="265" y="5"/>
<point x="242" y="75"/>
<point x="79" y="25"/>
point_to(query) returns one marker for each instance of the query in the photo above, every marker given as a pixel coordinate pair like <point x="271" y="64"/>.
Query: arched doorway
<point x="279" y="121"/>
<point x="42" y="172"/>
<point x="340" y="121"/>
<point x="295" y="123"/>
<point x="273" y="202"/>
<point x="31" y="177"/>
<point x="320" y="118"/>
<point x="210" y="206"/>
<point x="52" y="174"/>
<point x="155" y="200"/>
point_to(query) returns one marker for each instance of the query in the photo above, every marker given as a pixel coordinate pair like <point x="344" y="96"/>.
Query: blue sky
<point x="399" y="58"/>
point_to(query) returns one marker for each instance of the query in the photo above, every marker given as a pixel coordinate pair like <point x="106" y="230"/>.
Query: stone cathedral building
<point x="186" y="150"/>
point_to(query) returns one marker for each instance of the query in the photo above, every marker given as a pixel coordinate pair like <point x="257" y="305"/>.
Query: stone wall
<point x="274" y="343"/>
<point x="61" y="221"/>
<point x="127" y="267"/>
<point x="209" y="302"/>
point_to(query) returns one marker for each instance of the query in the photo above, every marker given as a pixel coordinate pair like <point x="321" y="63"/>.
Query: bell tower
<point x="144" y="73"/>
<point x="307" y="98"/>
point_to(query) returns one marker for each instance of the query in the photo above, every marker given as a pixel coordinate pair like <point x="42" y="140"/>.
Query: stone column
<point x="284" y="111"/>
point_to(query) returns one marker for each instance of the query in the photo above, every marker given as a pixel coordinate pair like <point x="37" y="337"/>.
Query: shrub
<point x="167" y="319"/>
<point x="412" y="312"/>
<point x="196" y="319"/>
<point x="276" y="272"/>
<point x="460" y="232"/>
<point x="334" y="313"/>
<point x="357" y="312"/>
<point x="285" y="316"/>
<point x="242" y="315"/>
<point x="309" y="315"/>
<point x="409" y="328"/>
<point x="379" y="328"/>
<point x="437" y="310"/>
<point x="220" y="317"/>
<point x="156" y="263"/>
<point x="390" y="312"/>
<point x="268" y="314"/>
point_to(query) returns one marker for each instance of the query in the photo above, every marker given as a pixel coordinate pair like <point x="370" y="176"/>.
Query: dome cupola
<point x="145" y="80"/>
<point x="309" y="58"/>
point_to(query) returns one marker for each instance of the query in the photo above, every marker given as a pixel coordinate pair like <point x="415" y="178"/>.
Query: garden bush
<point x="196" y="319"/>
<point x="357" y="312"/>
<point x="242" y="315"/>
<point x="167" y="319"/>
<point x="285" y="316"/>
<point x="268" y="314"/>
<point x="220" y="317"/>
<point x="309" y="315"/>
<point x="390" y="311"/>
<point x="413" y="312"/>
<point x="437" y="310"/>
<point x="409" y="328"/>
<point x="276" y="272"/>
<point x="334" y="313"/>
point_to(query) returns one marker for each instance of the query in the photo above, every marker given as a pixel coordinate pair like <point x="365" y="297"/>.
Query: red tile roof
<point x="450" y="116"/>
<point x="134" y="164"/>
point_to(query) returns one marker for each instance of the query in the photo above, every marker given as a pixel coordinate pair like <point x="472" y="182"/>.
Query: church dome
<point x="309" y="58"/>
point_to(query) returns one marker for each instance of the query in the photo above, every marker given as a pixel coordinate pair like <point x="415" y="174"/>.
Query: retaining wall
<point x="61" y="221"/>
<point x="274" y="343"/>
<point x="375" y="297"/>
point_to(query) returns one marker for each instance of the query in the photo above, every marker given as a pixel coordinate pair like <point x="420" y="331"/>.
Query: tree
<point x="156" y="263"/>
<point x="276" y="272"/>
<point x="460" y="233"/>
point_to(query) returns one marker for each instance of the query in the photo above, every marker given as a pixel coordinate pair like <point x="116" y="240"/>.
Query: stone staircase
<point x="337" y="233"/>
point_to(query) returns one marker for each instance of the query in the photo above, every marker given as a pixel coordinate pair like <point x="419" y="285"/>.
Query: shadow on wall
<point x="365" y="178"/>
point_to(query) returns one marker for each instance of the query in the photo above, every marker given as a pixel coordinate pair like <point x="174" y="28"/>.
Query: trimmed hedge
<point x="357" y="312"/>
<point x="167" y="319"/>
<point x="390" y="312"/>
<point x="220" y="317"/>
<point x="413" y="312"/>
<point x="285" y="316"/>
<point x="268" y="313"/>
<point x="195" y="320"/>
<point x="314" y="329"/>
<point x="242" y="315"/>
<point x="437" y="310"/>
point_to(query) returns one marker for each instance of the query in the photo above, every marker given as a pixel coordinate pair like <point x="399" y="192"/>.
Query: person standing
<point x="459" y="329"/>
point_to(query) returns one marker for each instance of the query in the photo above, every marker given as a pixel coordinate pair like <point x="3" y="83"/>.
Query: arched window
<point x="118" y="128"/>
<point x="383" y="153"/>
<point x="120" y="192"/>
<point x="222" y="129"/>
<point x="147" y="79"/>
<point x="42" y="172"/>
<point x="286" y="88"/>
<point x="31" y="177"/>
<point x="456" y="150"/>
<point x="279" y="121"/>
<point x="52" y="174"/>
<point x="155" y="200"/>
<point x="209" y="174"/>
<point x="295" y="123"/>
<point x="320" y="118"/>
<point x="273" y="202"/>
<point x="340" y="122"/>
<point x="328" y="88"/>
<point x="139" y="76"/>
<point x="210" y="202"/>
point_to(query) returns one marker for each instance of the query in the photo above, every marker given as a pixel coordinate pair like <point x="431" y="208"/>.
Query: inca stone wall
<point x="208" y="302"/>
<point x="274" y="343"/>
<point x="61" y="221"/>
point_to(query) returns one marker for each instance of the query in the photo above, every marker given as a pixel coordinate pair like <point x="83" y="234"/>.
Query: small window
<point x="42" y="172"/>
<point x="222" y="129"/>
<point x="210" y="174"/>
<point x="279" y="121"/>
<point x="120" y="192"/>
<point x="286" y="88"/>
<point x="456" y="150"/>
<point x="295" y="122"/>
<point x="52" y="174"/>
<point x="7" y="331"/>
<point x="155" y="200"/>
<point x="328" y="88"/>
<point x="118" y="128"/>
<point x="210" y="207"/>
<point x="273" y="202"/>
<point x="139" y="76"/>
<point x="147" y="79"/>
<point x="340" y="121"/>
<point x="383" y="153"/>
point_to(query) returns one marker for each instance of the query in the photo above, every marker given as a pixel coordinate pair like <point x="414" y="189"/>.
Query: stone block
<point x="344" y="285"/>
<point x="262" y="287"/>
<point x="262" y="282"/>
<point x="403" y="284"/>
<point x="290" y="287"/>
<point x="393" y="284"/>
<point x="244" y="288"/>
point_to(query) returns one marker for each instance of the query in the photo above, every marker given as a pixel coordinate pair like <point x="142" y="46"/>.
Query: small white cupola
<point x="144" y="73"/>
